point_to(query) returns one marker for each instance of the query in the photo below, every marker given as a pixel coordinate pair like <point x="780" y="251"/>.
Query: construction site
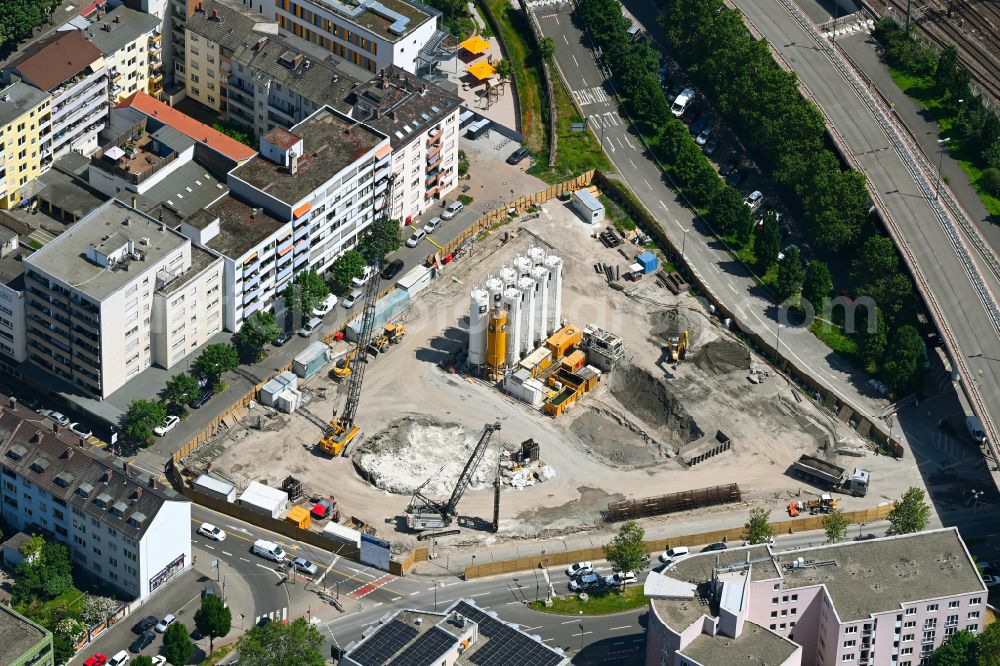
<point x="495" y="415"/>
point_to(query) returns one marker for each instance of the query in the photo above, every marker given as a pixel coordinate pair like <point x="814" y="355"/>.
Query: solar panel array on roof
<point x="379" y="648"/>
<point x="506" y="646"/>
<point x="426" y="650"/>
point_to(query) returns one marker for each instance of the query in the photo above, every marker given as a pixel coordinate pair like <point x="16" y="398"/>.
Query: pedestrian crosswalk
<point x="368" y="588"/>
<point x="274" y="616"/>
<point x="587" y="96"/>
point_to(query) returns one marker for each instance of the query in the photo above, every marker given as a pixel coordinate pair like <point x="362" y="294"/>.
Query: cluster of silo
<point x="528" y="291"/>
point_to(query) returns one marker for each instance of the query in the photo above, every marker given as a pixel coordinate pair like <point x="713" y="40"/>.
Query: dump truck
<point x="833" y="476"/>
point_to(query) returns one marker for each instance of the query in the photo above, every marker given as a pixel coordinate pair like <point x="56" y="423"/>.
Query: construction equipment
<point x="342" y="368"/>
<point x="833" y="476"/>
<point x="427" y="514"/>
<point x="679" y="347"/>
<point x="344" y="430"/>
<point x="392" y="334"/>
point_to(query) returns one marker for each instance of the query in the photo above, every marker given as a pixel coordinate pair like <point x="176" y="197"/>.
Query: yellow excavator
<point x="679" y="347"/>
<point x="391" y="334"/>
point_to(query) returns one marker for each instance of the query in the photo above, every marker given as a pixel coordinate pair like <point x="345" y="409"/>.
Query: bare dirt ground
<point x="420" y="418"/>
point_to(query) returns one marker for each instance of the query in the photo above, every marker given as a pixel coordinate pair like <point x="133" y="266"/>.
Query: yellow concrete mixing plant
<point x="496" y="342"/>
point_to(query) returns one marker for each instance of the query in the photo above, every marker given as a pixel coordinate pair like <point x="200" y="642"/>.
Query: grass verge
<point x="578" y="151"/>
<point x="601" y="603"/>
<point x="218" y="655"/>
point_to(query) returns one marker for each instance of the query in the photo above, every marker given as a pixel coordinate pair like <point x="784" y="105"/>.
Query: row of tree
<point x="18" y="19"/>
<point x="976" y="127"/>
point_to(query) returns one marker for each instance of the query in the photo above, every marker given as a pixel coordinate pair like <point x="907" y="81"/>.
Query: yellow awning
<point x="475" y="45"/>
<point x="481" y="70"/>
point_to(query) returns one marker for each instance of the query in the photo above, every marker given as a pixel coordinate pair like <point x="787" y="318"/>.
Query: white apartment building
<point x="92" y="298"/>
<point x="75" y="73"/>
<point x="121" y="527"/>
<point x="889" y="601"/>
<point x="130" y="42"/>
<point x="12" y="331"/>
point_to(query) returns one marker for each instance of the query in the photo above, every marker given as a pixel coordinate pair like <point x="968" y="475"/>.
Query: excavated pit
<point x="401" y="457"/>
<point x="654" y="403"/>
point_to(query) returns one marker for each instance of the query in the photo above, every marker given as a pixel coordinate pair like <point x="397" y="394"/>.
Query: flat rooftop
<point x="389" y="19"/>
<point x="19" y="635"/>
<point x="879" y="575"/>
<point x="756" y="645"/>
<point x="17" y="99"/>
<point x="12" y="268"/>
<point x="239" y="229"/>
<point x="65" y="257"/>
<point x="331" y="143"/>
<point x="119" y="28"/>
<point x="407" y="105"/>
<point x="200" y="260"/>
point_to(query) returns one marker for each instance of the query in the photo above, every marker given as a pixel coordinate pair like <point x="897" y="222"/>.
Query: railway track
<point x="973" y="26"/>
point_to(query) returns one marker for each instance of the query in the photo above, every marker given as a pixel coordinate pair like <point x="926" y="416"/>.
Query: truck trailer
<point x="833" y="476"/>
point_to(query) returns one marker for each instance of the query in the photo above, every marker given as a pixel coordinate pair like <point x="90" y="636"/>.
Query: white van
<point x="975" y="428"/>
<point x="120" y="659"/>
<point x="680" y="104"/>
<point x="268" y="550"/>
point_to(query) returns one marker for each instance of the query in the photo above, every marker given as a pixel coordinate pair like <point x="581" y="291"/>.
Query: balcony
<point x="155" y="37"/>
<point x="434" y="136"/>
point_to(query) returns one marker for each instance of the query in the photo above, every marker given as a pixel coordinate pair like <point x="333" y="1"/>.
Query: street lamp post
<point x="684" y="243"/>
<point x="941" y="148"/>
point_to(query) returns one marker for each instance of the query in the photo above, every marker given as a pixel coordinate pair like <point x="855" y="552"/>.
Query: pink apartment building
<point x="881" y="602"/>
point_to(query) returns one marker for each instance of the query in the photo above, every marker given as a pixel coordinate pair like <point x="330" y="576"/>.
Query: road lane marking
<point x="583" y="80"/>
<point x="532" y="628"/>
<point x="664" y="206"/>
<point x="227" y="553"/>
<point x="244" y="559"/>
<point x="481" y="594"/>
<point x="396" y="598"/>
<point x="732" y="287"/>
<point x="212" y="548"/>
<point x="629" y="142"/>
<point x="413" y="594"/>
<point x="582" y="633"/>
<point x="575" y="61"/>
<point x="618" y="628"/>
<point x="647" y="183"/>
<point x="546" y="640"/>
<point x="569" y="622"/>
<point x="620" y="143"/>
<point x="565" y="40"/>
<point x="633" y="164"/>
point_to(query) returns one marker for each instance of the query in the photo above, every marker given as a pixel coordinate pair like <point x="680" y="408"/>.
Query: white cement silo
<point x="494" y="286"/>
<point x="512" y="301"/>
<point x="540" y="275"/>
<point x="522" y="265"/>
<point x="554" y="264"/>
<point x="528" y="314"/>
<point x="479" y="308"/>
<point x="508" y="276"/>
<point x="536" y="254"/>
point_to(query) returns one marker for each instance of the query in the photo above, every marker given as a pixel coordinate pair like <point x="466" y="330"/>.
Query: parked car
<point x="167" y="620"/>
<point x="673" y="555"/>
<point x="711" y="145"/>
<point x="97" y="660"/>
<point x="415" y="238"/>
<point x="120" y="659"/>
<point x="144" y="625"/>
<point x="159" y="660"/>
<point x="700" y="125"/>
<point x="712" y="547"/>
<point x="392" y="269"/>
<point x="325" y="306"/>
<point x="703" y="136"/>
<point x="585" y="582"/>
<point x="141" y="643"/>
<point x="728" y="167"/>
<point x="283" y="337"/>
<point x="754" y="199"/>
<point x="692" y="114"/>
<point x="168" y="424"/>
<point x="80" y="430"/>
<point x="310" y="327"/>
<point x="204" y="397"/>
<point x="518" y="155"/>
<point x="61" y="419"/>
<point x="432" y="225"/>
<point x="303" y="565"/>
<point x="352" y="298"/>
<point x="579" y="569"/>
<point x="618" y="579"/>
<point x="735" y="177"/>
<point x="452" y="210"/>
<point x="209" y="591"/>
<point x="362" y="279"/>
<point x="991" y="581"/>
<point x="322" y="509"/>
<point x="212" y="532"/>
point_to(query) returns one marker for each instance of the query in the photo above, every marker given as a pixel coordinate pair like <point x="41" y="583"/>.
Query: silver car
<point x="302" y="565"/>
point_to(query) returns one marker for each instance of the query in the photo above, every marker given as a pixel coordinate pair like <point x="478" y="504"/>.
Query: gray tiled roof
<point x="18" y="98"/>
<point x="119" y="28"/>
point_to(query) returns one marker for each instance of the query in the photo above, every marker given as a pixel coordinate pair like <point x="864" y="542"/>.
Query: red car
<point x="97" y="660"/>
<point x="323" y="508"/>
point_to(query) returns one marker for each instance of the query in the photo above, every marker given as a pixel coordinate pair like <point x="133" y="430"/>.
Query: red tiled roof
<point x="282" y="138"/>
<point x="185" y="124"/>
<point x="56" y="59"/>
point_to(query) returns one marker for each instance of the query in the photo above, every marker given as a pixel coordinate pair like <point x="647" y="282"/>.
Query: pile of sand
<point x="654" y="403"/>
<point x="720" y="357"/>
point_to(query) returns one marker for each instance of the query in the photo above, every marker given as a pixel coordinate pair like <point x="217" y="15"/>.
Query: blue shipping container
<point x="648" y="261"/>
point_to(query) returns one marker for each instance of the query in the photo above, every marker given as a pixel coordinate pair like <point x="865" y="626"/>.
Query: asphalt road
<point x="727" y="278"/>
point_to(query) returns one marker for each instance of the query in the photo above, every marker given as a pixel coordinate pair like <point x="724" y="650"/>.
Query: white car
<point x="579" y="569"/>
<point x="325" y="305"/>
<point x="754" y="199"/>
<point x="433" y="225"/>
<point x="80" y="430"/>
<point x="415" y="238"/>
<point x="619" y="578"/>
<point x="167" y="620"/>
<point x="673" y="555"/>
<point x="168" y="424"/>
<point x="352" y="298"/>
<point x="310" y="326"/>
<point x="159" y="660"/>
<point x="61" y="419"/>
<point x="991" y="581"/>
<point x="364" y="277"/>
<point x="452" y="210"/>
<point x="212" y="532"/>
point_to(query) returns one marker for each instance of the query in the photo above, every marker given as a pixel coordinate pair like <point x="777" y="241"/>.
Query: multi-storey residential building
<point x="421" y="121"/>
<point x="74" y="72"/>
<point x="121" y="527"/>
<point x="101" y="304"/>
<point x="12" y="335"/>
<point x="129" y="41"/>
<point x="25" y="139"/>
<point x="22" y="642"/>
<point x="866" y="603"/>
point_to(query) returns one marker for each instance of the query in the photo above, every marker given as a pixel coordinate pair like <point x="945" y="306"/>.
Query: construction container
<point x="392" y="305"/>
<point x="574" y="360"/>
<point x="264" y="499"/>
<point x="588" y="207"/>
<point x="648" y="261"/>
<point x="342" y="534"/>
<point x="271" y="390"/>
<point x="312" y="360"/>
<point x="561" y="401"/>
<point x="299" y="517"/>
<point x="209" y="485"/>
<point x="563" y="340"/>
<point x="590" y="376"/>
<point x="415" y="280"/>
<point x="536" y="361"/>
<point x="524" y="387"/>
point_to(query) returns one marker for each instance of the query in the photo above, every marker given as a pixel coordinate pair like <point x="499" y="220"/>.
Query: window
<point x="911" y="611"/>
<point x="974" y="615"/>
<point x="774" y="613"/>
<point x="929" y="636"/>
<point x="851" y="630"/>
<point x="952" y="604"/>
<point x="975" y="601"/>
<point x="930" y="623"/>
<point x="906" y="650"/>
<point x="850" y="643"/>
<point x="932" y="608"/>
<point x="972" y="627"/>
<point x="952" y="621"/>
<point x="848" y="657"/>
<point x="909" y="624"/>
<point x="907" y="638"/>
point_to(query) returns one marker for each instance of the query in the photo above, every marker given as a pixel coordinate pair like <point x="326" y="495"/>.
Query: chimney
<point x="55" y="427"/>
<point x="68" y="454"/>
<point x="125" y="468"/>
<point x="37" y="437"/>
<point x="152" y="481"/>
<point x="82" y="443"/>
<point x="118" y="19"/>
<point x="135" y="202"/>
<point x="137" y="495"/>
<point x="293" y="164"/>
<point x="12" y="402"/>
<point x="106" y="478"/>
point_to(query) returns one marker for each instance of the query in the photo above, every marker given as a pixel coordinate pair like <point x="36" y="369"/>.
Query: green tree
<point x="213" y="619"/>
<point x="991" y="181"/>
<point x="463" y="163"/>
<point x="790" y="274"/>
<point x="216" y="359"/>
<point x="138" y="422"/>
<point x="626" y="551"/>
<point x="816" y="284"/>
<point x="767" y="244"/>
<point x="547" y="48"/>
<point x="63" y="649"/>
<point x="872" y="340"/>
<point x="958" y="650"/>
<point x="731" y="216"/>
<point x="305" y="293"/>
<point x="386" y="231"/>
<point x="835" y="524"/>
<point x="909" y="514"/>
<point x="346" y="267"/>
<point x="181" y="389"/>
<point x="258" y="330"/>
<point x="241" y="133"/>
<point x="45" y="572"/>
<point x="141" y="660"/>
<point x="757" y="529"/>
<point x="177" y="646"/>
<point x="903" y="365"/>
<point x="505" y="70"/>
<point x="97" y="609"/>
<point x="275" y="644"/>
<point x="946" y="74"/>
<point x="988" y="646"/>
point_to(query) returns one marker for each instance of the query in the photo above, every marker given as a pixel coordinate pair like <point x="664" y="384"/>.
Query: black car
<point x="518" y="155"/>
<point x="283" y="337"/>
<point x="141" y="643"/>
<point x="145" y="624"/>
<point x="713" y="547"/>
<point x="735" y="178"/>
<point x="392" y="269"/>
<point x="201" y="399"/>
